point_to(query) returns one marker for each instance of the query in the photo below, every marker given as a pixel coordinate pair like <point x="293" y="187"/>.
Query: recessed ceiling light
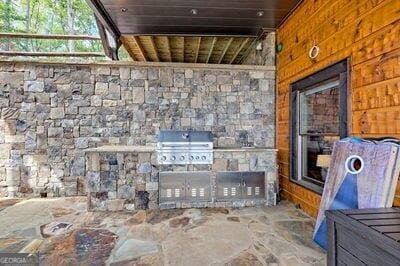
<point x="260" y="13"/>
<point x="194" y="11"/>
<point x="123" y="9"/>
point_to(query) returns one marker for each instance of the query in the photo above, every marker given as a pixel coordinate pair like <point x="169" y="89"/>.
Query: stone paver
<point x="278" y="235"/>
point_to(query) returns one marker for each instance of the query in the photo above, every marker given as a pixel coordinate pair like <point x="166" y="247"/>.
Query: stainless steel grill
<point x="185" y="147"/>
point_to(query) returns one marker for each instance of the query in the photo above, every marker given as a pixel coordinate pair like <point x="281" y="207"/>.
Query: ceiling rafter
<point x="128" y="48"/>
<point x="169" y="48"/>
<point x="227" y="46"/>
<point x="242" y="45"/>
<point x="183" y="48"/>
<point x="153" y="45"/>
<point x="197" y="49"/>
<point x="140" y="47"/>
<point x="214" y="40"/>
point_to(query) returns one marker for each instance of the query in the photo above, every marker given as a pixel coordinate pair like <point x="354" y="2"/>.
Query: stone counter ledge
<point x="141" y="149"/>
<point x="122" y="149"/>
<point x="256" y="149"/>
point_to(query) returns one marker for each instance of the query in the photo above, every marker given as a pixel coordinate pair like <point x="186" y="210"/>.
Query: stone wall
<point x="51" y="113"/>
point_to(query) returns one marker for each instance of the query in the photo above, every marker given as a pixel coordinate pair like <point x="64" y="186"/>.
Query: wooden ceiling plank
<point x="225" y="50"/>
<point x="153" y="44"/>
<point x="244" y="42"/>
<point x="211" y="49"/>
<point x="139" y="45"/>
<point x="197" y="50"/>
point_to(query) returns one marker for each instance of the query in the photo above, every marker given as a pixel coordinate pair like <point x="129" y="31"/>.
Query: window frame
<point x="341" y="72"/>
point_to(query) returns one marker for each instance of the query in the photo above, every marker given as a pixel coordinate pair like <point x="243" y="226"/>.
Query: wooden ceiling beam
<point x="139" y="45"/>
<point x="242" y="45"/>
<point x="169" y="48"/>
<point x="183" y="49"/>
<point x="153" y="45"/>
<point x="211" y="49"/>
<point x="197" y="50"/>
<point x="225" y="50"/>
<point x="128" y="47"/>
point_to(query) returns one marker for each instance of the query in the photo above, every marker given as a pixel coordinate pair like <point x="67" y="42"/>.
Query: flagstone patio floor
<point x="64" y="233"/>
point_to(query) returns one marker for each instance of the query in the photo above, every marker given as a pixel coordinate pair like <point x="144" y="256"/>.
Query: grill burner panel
<point x="185" y="147"/>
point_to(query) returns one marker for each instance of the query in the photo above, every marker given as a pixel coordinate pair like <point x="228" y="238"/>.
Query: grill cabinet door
<point x="229" y="185"/>
<point x="172" y="186"/>
<point x="198" y="185"/>
<point x="253" y="185"/>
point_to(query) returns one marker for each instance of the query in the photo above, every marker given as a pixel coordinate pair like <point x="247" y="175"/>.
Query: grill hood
<point x="185" y="136"/>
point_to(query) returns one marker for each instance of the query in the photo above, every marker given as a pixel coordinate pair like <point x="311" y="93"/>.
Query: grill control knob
<point x="191" y="158"/>
<point x="163" y="158"/>
<point x="203" y="158"/>
<point x="197" y="157"/>
<point x="173" y="158"/>
<point x="182" y="158"/>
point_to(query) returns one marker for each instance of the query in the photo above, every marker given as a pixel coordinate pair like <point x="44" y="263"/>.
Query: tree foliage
<point x="48" y="17"/>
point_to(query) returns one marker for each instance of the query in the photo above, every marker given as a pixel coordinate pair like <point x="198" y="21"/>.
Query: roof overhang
<point x="214" y="31"/>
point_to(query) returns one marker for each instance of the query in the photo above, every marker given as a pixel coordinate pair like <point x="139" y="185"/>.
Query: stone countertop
<point x="120" y="148"/>
<point x="238" y="149"/>
<point x="143" y="149"/>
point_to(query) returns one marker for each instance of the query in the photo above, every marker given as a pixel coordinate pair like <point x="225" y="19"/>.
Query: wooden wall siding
<point x="213" y="50"/>
<point x="367" y="31"/>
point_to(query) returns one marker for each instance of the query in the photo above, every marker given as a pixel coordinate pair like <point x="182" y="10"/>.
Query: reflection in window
<point x="318" y="120"/>
<point x="319" y="129"/>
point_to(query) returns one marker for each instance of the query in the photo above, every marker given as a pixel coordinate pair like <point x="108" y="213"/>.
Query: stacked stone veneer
<point x="130" y="180"/>
<point x="121" y="181"/>
<point x="51" y="113"/>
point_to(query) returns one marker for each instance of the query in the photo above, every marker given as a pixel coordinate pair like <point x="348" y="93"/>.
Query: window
<point x="318" y="119"/>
